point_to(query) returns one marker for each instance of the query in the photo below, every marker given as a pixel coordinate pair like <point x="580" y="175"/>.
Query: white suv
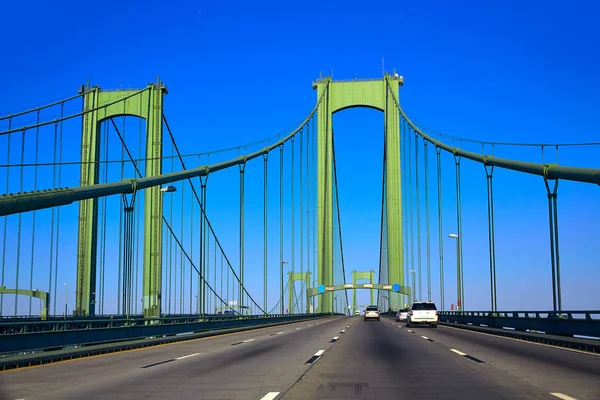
<point x="423" y="312"/>
<point x="372" y="312"/>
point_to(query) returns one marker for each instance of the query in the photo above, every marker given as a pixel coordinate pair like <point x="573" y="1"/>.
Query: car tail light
<point x="437" y="313"/>
<point x="411" y="313"/>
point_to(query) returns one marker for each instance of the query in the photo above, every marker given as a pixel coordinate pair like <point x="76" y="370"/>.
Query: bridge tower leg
<point x="146" y="104"/>
<point x="380" y="94"/>
<point x="393" y="193"/>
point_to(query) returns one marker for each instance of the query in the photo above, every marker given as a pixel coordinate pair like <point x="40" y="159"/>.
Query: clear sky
<point x="241" y="71"/>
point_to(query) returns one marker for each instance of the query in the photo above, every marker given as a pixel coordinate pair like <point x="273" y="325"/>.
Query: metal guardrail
<point x="52" y="335"/>
<point x="564" y="323"/>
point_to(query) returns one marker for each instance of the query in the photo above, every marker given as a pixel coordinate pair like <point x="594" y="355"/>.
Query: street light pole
<point x="66" y="299"/>
<point x="459" y="282"/>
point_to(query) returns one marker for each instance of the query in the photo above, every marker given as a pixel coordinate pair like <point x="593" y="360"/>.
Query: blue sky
<point x="239" y="72"/>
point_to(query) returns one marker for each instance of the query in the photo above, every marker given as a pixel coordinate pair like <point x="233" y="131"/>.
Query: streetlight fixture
<point x="281" y="286"/>
<point x="168" y="189"/>
<point x="459" y="283"/>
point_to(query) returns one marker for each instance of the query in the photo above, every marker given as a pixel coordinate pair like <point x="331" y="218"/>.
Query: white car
<point x="372" y="312"/>
<point x="423" y="312"/>
<point x="402" y="314"/>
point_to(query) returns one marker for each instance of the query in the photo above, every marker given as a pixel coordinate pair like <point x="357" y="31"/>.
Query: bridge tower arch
<point x="360" y="275"/>
<point x="379" y="94"/>
<point x="99" y="106"/>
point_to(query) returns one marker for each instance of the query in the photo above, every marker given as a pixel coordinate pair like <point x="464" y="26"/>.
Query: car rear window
<point x="371" y="308"/>
<point x="424" y="306"/>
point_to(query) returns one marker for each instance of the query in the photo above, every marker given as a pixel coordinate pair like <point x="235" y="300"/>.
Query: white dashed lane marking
<point x="189" y="355"/>
<point x="563" y="396"/>
<point x="270" y="396"/>
<point x="460" y="353"/>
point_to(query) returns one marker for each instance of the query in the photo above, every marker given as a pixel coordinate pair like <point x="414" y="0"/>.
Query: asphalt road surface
<point x="315" y="360"/>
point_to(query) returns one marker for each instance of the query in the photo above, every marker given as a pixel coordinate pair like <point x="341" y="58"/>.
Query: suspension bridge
<point x="109" y="231"/>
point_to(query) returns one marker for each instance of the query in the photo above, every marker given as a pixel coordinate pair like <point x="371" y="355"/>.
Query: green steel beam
<point x="43" y="296"/>
<point x="145" y="104"/>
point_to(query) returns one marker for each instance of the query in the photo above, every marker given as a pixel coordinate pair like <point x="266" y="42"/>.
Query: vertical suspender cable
<point x="281" y="226"/>
<point x="215" y="277"/>
<point x="404" y="144"/>
<point x="181" y="268"/>
<point x="301" y="224"/>
<point x="440" y="225"/>
<point x="138" y="211"/>
<point x="37" y="146"/>
<point x="20" y="221"/>
<point x="51" y="258"/>
<point x="192" y="255"/>
<point x="5" y="217"/>
<point x="491" y="235"/>
<point x="308" y="269"/>
<point x="60" y="146"/>
<point x="120" y="264"/>
<point x="265" y="228"/>
<point x="241" y="294"/>
<point x="427" y="221"/>
<point x="293" y="261"/>
<point x="103" y="265"/>
<point x="201" y="275"/>
<point x="461" y="289"/>
<point x="410" y="212"/>
<point x="420" y="287"/>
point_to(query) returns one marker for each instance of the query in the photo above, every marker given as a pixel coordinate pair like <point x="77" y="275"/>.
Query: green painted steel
<point x="293" y="277"/>
<point x="146" y="104"/>
<point x="87" y="233"/>
<point x="379" y="94"/>
<point x="404" y="290"/>
<point x="43" y="296"/>
<point x="358" y="275"/>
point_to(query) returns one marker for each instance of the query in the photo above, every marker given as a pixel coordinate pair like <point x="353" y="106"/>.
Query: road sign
<point x="321" y="288"/>
<point x="368" y="285"/>
<point x="348" y="286"/>
<point x="396" y="287"/>
<point x="329" y="288"/>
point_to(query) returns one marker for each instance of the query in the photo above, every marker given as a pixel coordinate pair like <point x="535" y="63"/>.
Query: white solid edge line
<point x="318" y="353"/>
<point x="270" y="396"/>
<point x="425" y="337"/>
<point x="526" y="341"/>
<point x="189" y="355"/>
<point x="249" y="340"/>
<point x="460" y="353"/>
<point x="336" y="338"/>
<point x="563" y="396"/>
<point x="279" y="333"/>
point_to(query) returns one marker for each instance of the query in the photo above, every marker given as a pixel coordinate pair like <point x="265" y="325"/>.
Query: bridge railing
<point x="51" y="335"/>
<point x="564" y="323"/>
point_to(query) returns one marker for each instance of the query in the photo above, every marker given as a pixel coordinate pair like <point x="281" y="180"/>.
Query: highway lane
<point x="232" y="366"/>
<point x="550" y="368"/>
<point x="380" y="360"/>
<point x="370" y="360"/>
